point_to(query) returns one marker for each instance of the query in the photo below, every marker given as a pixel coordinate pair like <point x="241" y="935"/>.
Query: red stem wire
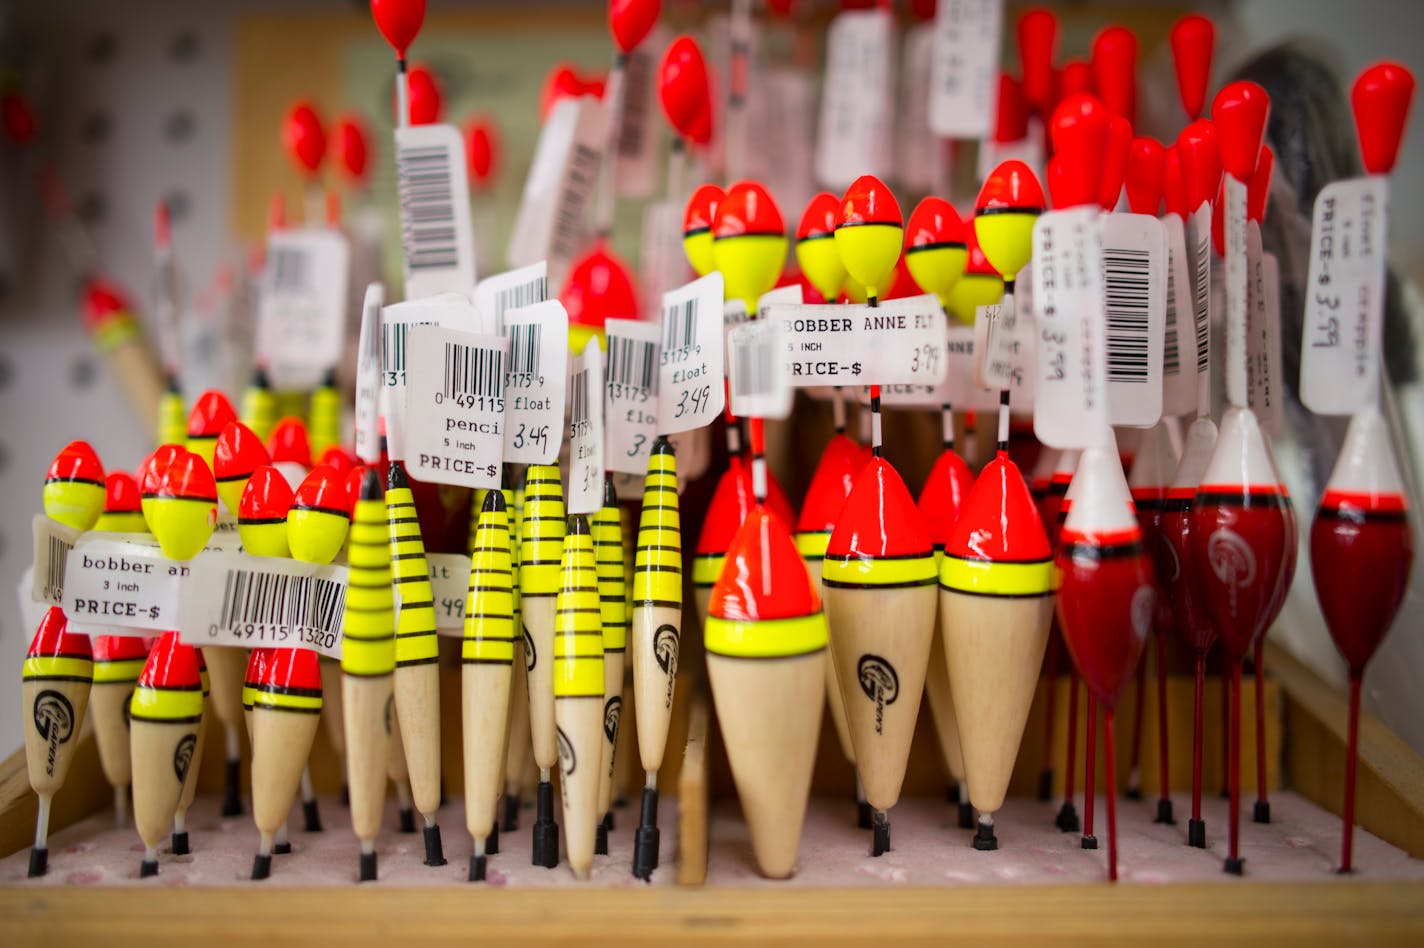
<point x="1164" y="761"/>
<point x="1352" y="751"/>
<point x="1070" y="764"/>
<point x="1198" y="727"/>
<point x="1110" y="761"/>
<point x="1090" y="774"/>
<point x="1233" y="740"/>
<point x="1225" y="720"/>
<point x="1260" y="663"/>
<point x="1138" y="702"/>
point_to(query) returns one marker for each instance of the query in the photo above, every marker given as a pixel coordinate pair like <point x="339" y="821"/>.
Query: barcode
<point x="309" y="602"/>
<point x="513" y="297"/>
<point x="635" y="105"/>
<point x="56" y="558"/>
<point x="631" y="362"/>
<point x="680" y="325"/>
<point x="578" y="405"/>
<point x="568" y="224"/>
<point x="1127" y="291"/>
<point x="753" y="365"/>
<point x="524" y="349"/>
<point x="427" y="207"/>
<point x="1171" y="357"/>
<point x="471" y="370"/>
<point x="393" y="346"/>
<point x="1199" y="301"/>
<point x="289" y="269"/>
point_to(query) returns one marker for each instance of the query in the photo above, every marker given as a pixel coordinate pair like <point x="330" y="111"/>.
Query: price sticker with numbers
<point x="898" y="342"/>
<point x="437" y="237"/>
<point x="957" y="388"/>
<point x="756" y="370"/>
<point x="53" y="541"/>
<point x="1343" y="338"/>
<point x="449" y="587"/>
<point x="498" y="294"/>
<point x="456" y="407"/>
<point x="631" y="394"/>
<point x="1134" y="265"/>
<point x="964" y="67"/>
<point x="249" y="601"/>
<point x="449" y="310"/>
<point x="121" y="584"/>
<point x="585" y="493"/>
<point x="368" y="377"/>
<point x="993" y="344"/>
<point x="301" y="315"/>
<point x="535" y="382"/>
<point x="691" y="392"/>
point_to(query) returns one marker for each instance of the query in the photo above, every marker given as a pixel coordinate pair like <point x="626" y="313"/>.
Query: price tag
<point x="787" y="96"/>
<point x="957" y="388"/>
<point x="1023" y="349"/>
<point x="1179" y="343"/>
<point x="857" y="99"/>
<point x="631" y="395"/>
<point x="664" y="264"/>
<point x="1341" y="349"/>
<point x="455" y="415"/>
<point x="1070" y="398"/>
<point x="450" y="587"/>
<point x="964" y="68"/>
<point x="513" y="289"/>
<point x="249" y="601"/>
<point x="691" y="393"/>
<point x="1265" y="392"/>
<point x="534" y="382"/>
<point x="558" y="193"/>
<point x="898" y="342"/>
<point x="917" y="148"/>
<point x="586" y="468"/>
<point x="53" y="541"/>
<point x="994" y="345"/>
<point x="123" y="584"/>
<point x="1199" y="256"/>
<point x="639" y="129"/>
<point x="437" y="237"/>
<point x="368" y="377"/>
<point x="1237" y="304"/>
<point x="450" y="310"/>
<point x="756" y="362"/>
<point x="301" y="317"/>
<point x="1135" y="294"/>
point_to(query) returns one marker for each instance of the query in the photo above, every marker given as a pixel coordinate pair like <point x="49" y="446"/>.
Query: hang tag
<point x="448" y="310"/>
<point x="449" y="587"/>
<point x="630" y="394"/>
<point x="1343" y="341"/>
<point x="534" y="382"/>
<point x="1179" y="342"/>
<point x="1070" y="405"/>
<point x="368" y="377"/>
<point x="954" y="389"/>
<point x="1265" y="391"/>
<point x="639" y="131"/>
<point x="664" y="264"/>
<point x="301" y="315"/>
<point x="756" y="356"/>
<point x="898" y="342"/>
<point x="1023" y="356"/>
<point x="558" y="193"/>
<point x="52" y="543"/>
<point x="964" y="68"/>
<point x="437" y="237"/>
<point x="1199" y="255"/>
<point x="455" y="414"/>
<point x="498" y="294"/>
<point x="691" y="393"/>
<point x="993" y="344"/>
<point x="917" y="148"/>
<point x="585" y="492"/>
<point x="788" y="111"/>
<point x="734" y="312"/>
<point x="121" y="584"/>
<point x="247" y="601"/>
<point x="1237" y="304"/>
<point x="857" y="100"/>
<point x="1135" y="296"/>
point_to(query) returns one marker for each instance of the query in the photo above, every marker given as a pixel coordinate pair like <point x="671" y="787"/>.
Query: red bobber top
<point x="1012" y="186"/>
<point x="748" y="209"/>
<point x="172" y="664"/>
<point x="731" y="502"/>
<point x="425" y="96"/>
<point x="211" y="413"/>
<point x="121" y="493"/>
<point x="1381" y="98"/>
<point x="291" y="668"/>
<point x="1258" y="189"/>
<point x="819" y="218"/>
<point x="1192" y="39"/>
<point x="763" y="577"/>
<point x="630" y="21"/>
<point x="1200" y="159"/>
<point x="324" y="489"/>
<point x="1079" y="131"/>
<point x="150" y="475"/>
<point x="119" y="648"/>
<point x="303" y="137"/>
<point x="1239" y="113"/>
<point x="1114" y="64"/>
<point x="999" y="520"/>
<point x="879" y="519"/>
<point x="935" y="223"/>
<point x="1038" y="35"/>
<point x="869" y="200"/>
<point x="289" y="443"/>
<point x="238" y="452"/>
<point x="399" y="21"/>
<point x="1115" y="157"/>
<point x="267" y="497"/>
<point x="830" y="485"/>
<point x="76" y="461"/>
<point x="597" y="288"/>
<point x="353" y="151"/>
<point x="188" y="478"/>
<point x="943" y="496"/>
<point x="1011" y="122"/>
<point x="1144" y="178"/>
<point x="1174" y="189"/>
<point x="701" y="209"/>
<point x="54" y="640"/>
<point x="683" y="87"/>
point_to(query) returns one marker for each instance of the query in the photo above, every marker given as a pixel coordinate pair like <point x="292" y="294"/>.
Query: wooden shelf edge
<point x="692" y="795"/>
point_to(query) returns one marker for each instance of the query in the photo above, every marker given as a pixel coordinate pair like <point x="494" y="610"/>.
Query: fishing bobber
<point x="996" y="598"/>
<point x="1192" y="38"/>
<point x="368" y="661"/>
<point x="123" y="510"/>
<point x="1114" y="65"/>
<point x="286" y="708"/>
<point x="878" y="587"/>
<point x="1105" y="597"/>
<point x="182" y="509"/>
<point x="697" y="227"/>
<point x="257" y="409"/>
<point x="540" y="549"/>
<point x="731" y="502"/>
<point x="74" y="488"/>
<point x="237" y="453"/>
<point x="417" y="675"/>
<point x="325" y="415"/>
<point x="304" y="139"/>
<point x="607" y="528"/>
<point x="262" y="513"/>
<point x="55" y="686"/>
<point x="1037" y="32"/>
<point x="685" y="92"/>
<point x="816" y="250"/>
<point x="599" y="286"/>
<point x="1008" y="204"/>
<point x="118" y="660"/>
<point x="657" y="636"/>
<point x="766" y="639"/>
<point x="189" y="792"/>
<point x="211" y="413"/>
<point x="748" y="242"/>
<point x="936" y="248"/>
<point x="289" y="446"/>
<point x="869" y="232"/>
<point x="980" y="285"/>
<point x="165" y="714"/>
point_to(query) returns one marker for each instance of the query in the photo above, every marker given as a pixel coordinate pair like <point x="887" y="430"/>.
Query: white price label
<point x="513" y="289"/>
<point x="1179" y="343"/>
<point x="448" y="310"/>
<point x="664" y="263"/>
<point x="631" y="395"/>
<point x="1265" y="392"/>
<point x="639" y="130"/>
<point x="436" y="234"/>
<point x="260" y="601"/>
<point x="1135" y="294"/>
<point x="1237" y="304"/>
<point x="585" y="492"/>
<point x="957" y="388"/>
<point x="449" y="587"/>
<point x="787" y="99"/>
<point x="53" y="541"/>
<point x="1199" y="255"/>
<point x="917" y="148"/>
<point x="368" y="377"/>
<point x="756" y="373"/>
<point x="964" y="68"/>
<point x="994" y="344"/>
<point x="857" y="101"/>
<point x="122" y="584"/>
<point x="455" y="413"/>
<point x="898" y="342"/>
<point x="301" y="319"/>
<point x="1070" y="404"/>
<point x="691" y="392"/>
<point x="534" y="382"/>
<point x="1343" y="341"/>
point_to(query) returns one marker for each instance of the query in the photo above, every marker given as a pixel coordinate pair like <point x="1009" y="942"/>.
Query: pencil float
<point x="417" y="675"/>
<point x="368" y="662"/>
<point x="189" y="792"/>
<point x="540" y="549"/>
<point x="164" y="716"/>
<point x="325" y="415"/>
<point x="487" y="669"/>
<point x="519" y="749"/>
<point x="657" y="636"/>
<point x="257" y="409"/>
<point x="55" y="683"/>
<point x="607" y="528"/>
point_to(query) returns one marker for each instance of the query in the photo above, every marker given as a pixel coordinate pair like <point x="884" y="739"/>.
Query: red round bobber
<point x="304" y="138"/>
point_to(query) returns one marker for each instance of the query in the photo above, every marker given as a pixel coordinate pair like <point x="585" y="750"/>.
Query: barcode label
<point x="964" y="67"/>
<point x="631" y="394"/>
<point x="471" y="371"/>
<point x="899" y="342"/>
<point x="535" y="382"/>
<point x="301" y="316"/>
<point x="586" y="448"/>
<point x="1199" y="235"/>
<point x="52" y="543"/>
<point x="448" y="310"/>
<point x="758" y="372"/>
<point x="1179" y="358"/>
<point x="690" y="375"/>
<point x="1135" y="309"/>
<point x="857" y="99"/>
<point x="638" y="138"/>
<point x="513" y="289"/>
<point x="680" y="324"/>
<point x="264" y="601"/>
<point x="369" y="355"/>
<point x="121" y="584"/>
<point x="436" y="234"/>
<point x="288" y="268"/>
<point x="455" y="407"/>
<point x="1125" y="289"/>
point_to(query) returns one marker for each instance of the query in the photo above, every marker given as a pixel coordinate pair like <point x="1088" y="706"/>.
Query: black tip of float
<point x="1164" y="813"/>
<point x="662" y="445"/>
<point x="232" y="788"/>
<point x="951" y="793"/>
<point x="1089" y="842"/>
<point x="39" y="861"/>
<point x="407" y="820"/>
<point x="494" y="502"/>
<point x="148" y="869"/>
<point x="395" y="477"/>
<point x="647" y="840"/>
<point x="863" y="815"/>
<point x="600" y="840"/>
<point x="966" y="815"/>
<point x="610" y="493"/>
<point x="1345" y="871"/>
<point x="1234" y="867"/>
<point x="511" y="812"/>
<point x="284" y="848"/>
<point x="492" y="840"/>
<point x="1067" y="819"/>
<point x="434" y="851"/>
<point x="608" y="821"/>
<point x="984" y="839"/>
<point x="1196" y="833"/>
<point x="1133" y="793"/>
<point x="180" y="843"/>
<point x="1045" y="784"/>
<point x="477" y="868"/>
<point x="261" y="867"/>
<point x="345" y="795"/>
<point x="546" y="831"/>
<point x="1262" y="812"/>
<point x="578" y="525"/>
<point x="368" y="867"/>
<point x="880" y="839"/>
<point x="311" y="816"/>
<point x="370" y="485"/>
